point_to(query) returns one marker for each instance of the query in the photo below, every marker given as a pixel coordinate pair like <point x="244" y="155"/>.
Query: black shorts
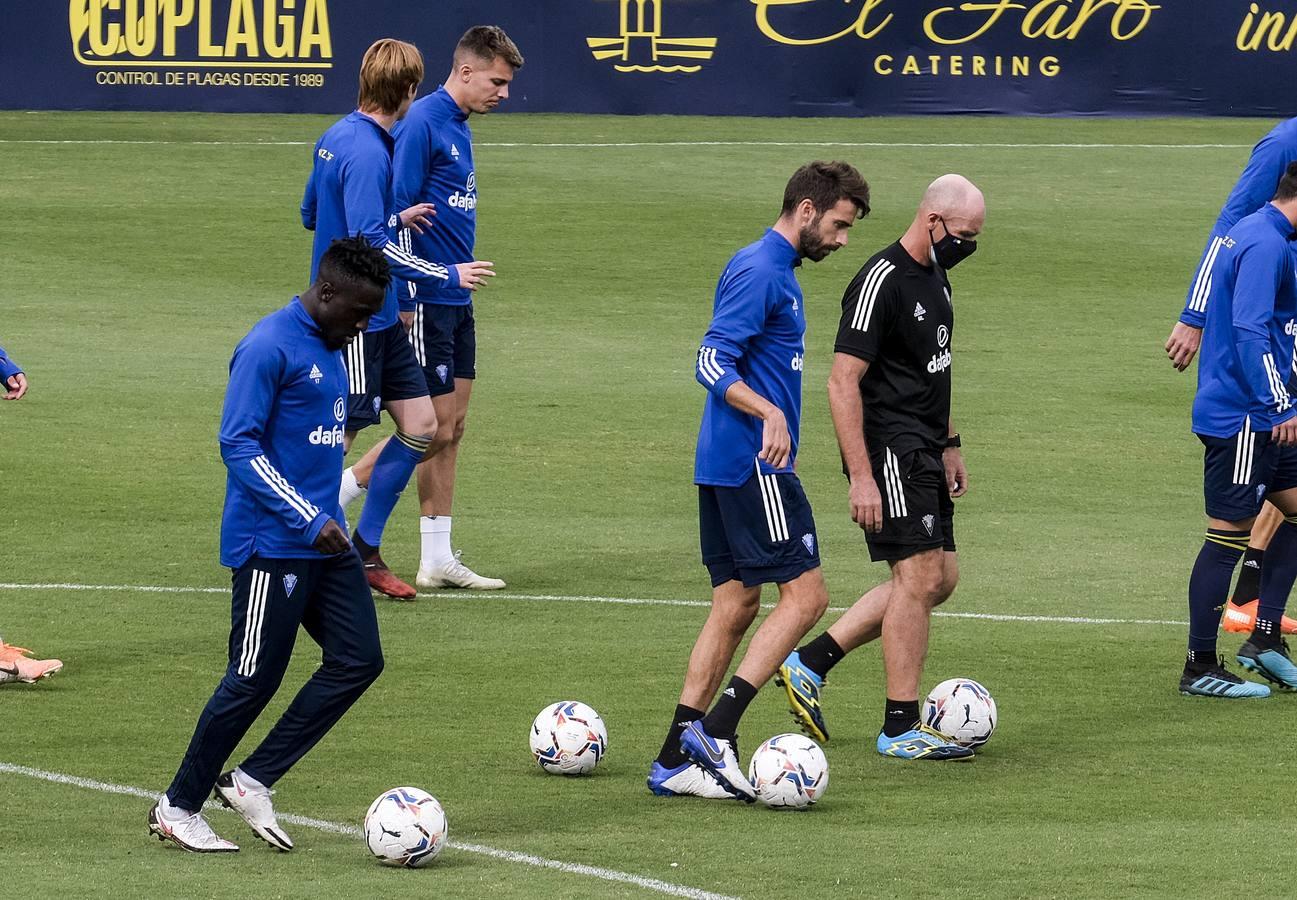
<point x="444" y="339"/>
<point x="1239" y="471"/>
<point x="760" y="533"/>
<point x="918" y="513"/>
<point x="380" y="367"/>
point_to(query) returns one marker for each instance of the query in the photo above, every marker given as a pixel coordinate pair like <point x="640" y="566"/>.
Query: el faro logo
<point x="641" y="46"/>
<point x="264" y="34"/>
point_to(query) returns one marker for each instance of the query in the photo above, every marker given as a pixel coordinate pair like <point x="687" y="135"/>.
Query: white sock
<point x="174" y="813"/>
<point x="434" y="537"/>
<point x="350" y="490"/>
<point x="249" y="780"/>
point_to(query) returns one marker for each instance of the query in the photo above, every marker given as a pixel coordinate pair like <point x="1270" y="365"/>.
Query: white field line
<point x="956" y="145"/>
<point x="648" y="884"/>
<point x="575" y="598"/>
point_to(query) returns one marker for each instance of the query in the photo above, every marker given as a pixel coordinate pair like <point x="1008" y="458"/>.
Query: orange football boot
<point x="1242" y="619"/>
<point x="15" y="662"/>
<point x="381" y="579"/>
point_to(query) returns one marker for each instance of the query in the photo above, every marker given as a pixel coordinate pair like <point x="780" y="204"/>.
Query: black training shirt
<point x="897" y="315"/>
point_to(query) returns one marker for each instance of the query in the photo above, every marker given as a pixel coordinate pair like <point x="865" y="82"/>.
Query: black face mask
<point x="950" y="251"/>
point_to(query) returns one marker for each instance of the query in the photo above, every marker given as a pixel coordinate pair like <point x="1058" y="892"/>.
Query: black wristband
<point x="953" y="441"/>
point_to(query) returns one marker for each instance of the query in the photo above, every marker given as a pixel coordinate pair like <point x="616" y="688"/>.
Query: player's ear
<point x="325" y="290"/>
<point x="806" y="211"/>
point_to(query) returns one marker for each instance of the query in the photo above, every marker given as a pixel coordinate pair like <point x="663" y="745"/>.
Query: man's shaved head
<point x="954" y="196"/>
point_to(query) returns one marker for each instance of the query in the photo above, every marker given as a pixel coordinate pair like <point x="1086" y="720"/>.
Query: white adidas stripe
<point x="394" y="251"/>
<point x="766" y="503"/>
<point x="252" y="622"/>
<point x="892" y="473"/>
<point x="869" y="294"/>
<point x="281" y="487"/>
<point x="1277" y="389"/>
<point x="1202" y="284"/>
<point x="781" y="520"/>
<point x="1243" y="453"/>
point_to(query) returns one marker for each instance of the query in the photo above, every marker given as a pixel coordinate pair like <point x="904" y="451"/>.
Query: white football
<point x="405" y="827"/>
<point x="962" y="710"/>
<point x="789" y="771"/>
<point x="568" y="738"/>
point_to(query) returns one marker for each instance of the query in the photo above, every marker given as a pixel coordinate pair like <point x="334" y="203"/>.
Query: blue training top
<point x="1246" y="359"/>
<point x="757" y="335"/>
<point x="281" y="439"/>
<point x="349" y="193"/>
<point x="1255" y="187"/>
<point x="8" y="368"/>
<point x="433" y="163"/>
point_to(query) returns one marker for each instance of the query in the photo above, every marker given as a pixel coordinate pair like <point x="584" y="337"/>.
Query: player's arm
<point x="12" y="377"/>
<point x="1260" y="272"/>
<point x="953" y="460"/>
<point x="742" y="302"/>
<point x="363" y="189"/>
<point x="309" y="202"/>
<point x="255" y="374"/>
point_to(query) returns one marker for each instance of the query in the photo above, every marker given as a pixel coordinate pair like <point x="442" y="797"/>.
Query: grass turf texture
<point x="131" y="271"/>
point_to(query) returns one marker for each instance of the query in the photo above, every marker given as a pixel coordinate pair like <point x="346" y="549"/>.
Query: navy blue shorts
<point x="760" y="533"/>
<point x="444" y="339"/>
<point x="380" y="367"/>
<point x="918" y="513"/>
<point x="1239" y="471"/>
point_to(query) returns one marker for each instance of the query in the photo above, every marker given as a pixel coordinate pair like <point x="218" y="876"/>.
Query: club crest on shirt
<point x="442" y="371"/>
<point x="928" y="522"/>
<point x="808" y="540"/>
<point x="290" y="582"/>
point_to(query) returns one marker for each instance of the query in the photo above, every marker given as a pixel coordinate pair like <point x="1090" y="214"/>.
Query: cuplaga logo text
<point x="218" y="33"/>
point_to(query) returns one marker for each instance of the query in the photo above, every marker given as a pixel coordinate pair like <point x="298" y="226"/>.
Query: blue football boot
<point x="1217" y="681"/>
<point x="718" y="758"/>
<point x="803" y="689"/>
<point x="685" y="780"/>
<point x="921" y="742"/>
<point x="1271" y="663"/>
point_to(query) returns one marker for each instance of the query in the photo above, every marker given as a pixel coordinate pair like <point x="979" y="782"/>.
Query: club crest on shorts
<point x="290" y="582"/>
<point x="1260" y="491"/>
<point x="442" y="371"/>
<point x="808" y="540"/>
<point x="928" y="522"/>
<point x="378" y="401"/>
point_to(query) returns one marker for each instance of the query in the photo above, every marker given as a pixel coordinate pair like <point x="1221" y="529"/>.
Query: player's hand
<point x="776" y="442"/>
<point x="407" y="319"/>
<point x="418" y="215"/>
<point x="866" y="504"/>
<point x="17" y="385"/>
<point x="332" y="540"/>
<point x="956" y="472"/>
<point x="1182" y="345"/>
<point x="1285" y="433"/>
<point x="473" y="275"/>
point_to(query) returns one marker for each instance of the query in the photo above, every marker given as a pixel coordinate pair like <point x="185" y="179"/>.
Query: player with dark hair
<point x="889" y="392"/>
<point x="1255" y="187"/>
<point x="281" y="439"/>
<point x="1244" y="416"/>
<point x="350" y="193"/>
<point x="434" y="161"/>
<point x="755" y="522"/>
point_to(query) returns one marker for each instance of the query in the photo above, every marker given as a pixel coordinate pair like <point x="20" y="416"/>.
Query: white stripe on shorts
<point x="895" y="487"/>
<point x="1243" y="446"/>
<point x="776" y="523"/>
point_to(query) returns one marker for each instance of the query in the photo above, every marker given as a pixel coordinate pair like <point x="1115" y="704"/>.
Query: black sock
<point x="821" y="654"/>
<point x="362" y="547"/>
<point x="1248" y="587"/>
<point x="1266" y="634"/>
<point x="900" y="716"/>
<point x="723" y="720"/>
<point x="1209" y="585"/>
<point x="1277" y="580"/>
<point x="671" y="755"/>
<point x="1200" y="660"/>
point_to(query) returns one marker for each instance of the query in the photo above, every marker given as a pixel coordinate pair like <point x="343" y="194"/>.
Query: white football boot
<point x="190" y="833"/>
<point x="252" y="801"/>
<point x="455" y="574"/>
<point x="686" y="780"/>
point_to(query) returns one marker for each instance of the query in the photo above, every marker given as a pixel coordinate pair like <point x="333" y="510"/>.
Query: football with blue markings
<point x="789" y="771"/>
<point x="962" y="710"/>
<point x="568" y="738"/>
<point x="405" y="827"/>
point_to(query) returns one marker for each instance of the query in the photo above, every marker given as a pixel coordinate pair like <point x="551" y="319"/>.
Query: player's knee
<point x="367" y="669"/>
<point x="457" y="433"/>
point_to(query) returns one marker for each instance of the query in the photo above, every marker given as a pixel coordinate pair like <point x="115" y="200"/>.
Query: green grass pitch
<point x="130" y="271"/>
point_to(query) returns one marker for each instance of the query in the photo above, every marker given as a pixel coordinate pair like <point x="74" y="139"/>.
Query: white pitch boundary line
<point x="576" y="598"/>
<point x="964" y="145"/>
<point x="648" y="884"/>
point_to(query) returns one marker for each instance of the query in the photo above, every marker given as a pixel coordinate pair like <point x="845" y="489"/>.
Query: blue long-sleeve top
<point x="281" y="439"/>
<point x="1255" y="187"/>
<point x="8" y="368"/>
<point x="757" y="334"/>
<point x="349" y="193"/>
<point x="1245" y="362"/>
<point x="433" y="163"/>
